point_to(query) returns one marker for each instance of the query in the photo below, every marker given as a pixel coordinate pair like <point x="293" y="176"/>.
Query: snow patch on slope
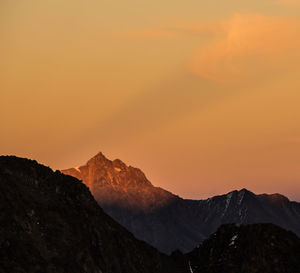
<point x="227" y="202"/>
<point x="233" y="239"/>
<point x="241" y="195"/>
<point x="190" y="267"/>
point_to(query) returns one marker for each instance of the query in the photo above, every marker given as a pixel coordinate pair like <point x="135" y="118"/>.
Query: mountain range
<point x="50" y="223"/>
<point x="169" y="222"/>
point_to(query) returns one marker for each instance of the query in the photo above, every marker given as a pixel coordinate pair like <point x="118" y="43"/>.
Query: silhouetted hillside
<point x="50" y="223"/>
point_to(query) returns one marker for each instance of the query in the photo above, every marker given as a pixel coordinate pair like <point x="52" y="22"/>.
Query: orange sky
<point x="202" y="95"/>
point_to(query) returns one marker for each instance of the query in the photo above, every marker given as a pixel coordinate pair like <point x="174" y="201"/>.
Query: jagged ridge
<point x="113" y="183"/>
<point x="169" y="222"/>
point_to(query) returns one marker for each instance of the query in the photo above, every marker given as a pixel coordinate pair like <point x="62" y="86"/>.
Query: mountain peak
<point x="239" y="195"/>
<point x="100" y="161"/>
<point x="113" y="182"/>
<point x="273" y="197"/>
<point x="100" y="171"/>
<point x="99" y="157"/>
<point x="242" y="191"/>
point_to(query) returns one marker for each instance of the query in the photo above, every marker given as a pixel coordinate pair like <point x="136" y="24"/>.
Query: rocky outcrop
<point x="50" y="223"/>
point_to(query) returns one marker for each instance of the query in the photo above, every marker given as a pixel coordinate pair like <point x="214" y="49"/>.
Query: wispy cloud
<point x="247" y="46"/>
<point x="236" y="49"/>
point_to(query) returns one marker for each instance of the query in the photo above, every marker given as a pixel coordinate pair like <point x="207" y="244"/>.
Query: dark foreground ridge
<point x="169" y="222"/>
<point x="50" y="223"/>
<point x="254" y="248"/>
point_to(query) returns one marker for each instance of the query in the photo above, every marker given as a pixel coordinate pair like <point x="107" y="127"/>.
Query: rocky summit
<point x="169" y="222"/>
<point x="113" y="183"/>
<point x="50" y="223"/>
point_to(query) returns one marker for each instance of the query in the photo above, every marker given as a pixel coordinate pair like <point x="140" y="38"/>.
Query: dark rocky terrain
<point x="50" y="223"/>
<point x="254" y="248"/>
<point x="169" y="222"/>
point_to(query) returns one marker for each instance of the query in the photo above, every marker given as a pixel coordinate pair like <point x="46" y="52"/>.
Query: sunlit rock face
<point x="50" y="223"/>
<point x="169" y="222"/>
<point x="113" y="183"/>
<point x="248" y="249"/>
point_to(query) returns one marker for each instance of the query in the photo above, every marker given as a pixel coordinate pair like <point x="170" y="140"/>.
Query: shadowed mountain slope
<point x="50" y="223"/>
<point x="169" y="222"/>
<point x="254" y="248"/>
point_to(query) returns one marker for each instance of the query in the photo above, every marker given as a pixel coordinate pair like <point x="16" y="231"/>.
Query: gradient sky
<point x="203" y="96"/>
